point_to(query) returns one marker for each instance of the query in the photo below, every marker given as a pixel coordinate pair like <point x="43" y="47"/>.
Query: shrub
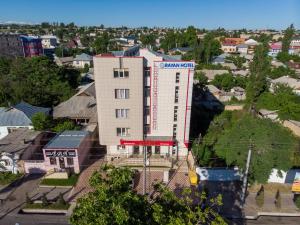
<point x="44" y="200"/>
<point x="260" y="197"/>
<point x="61" y="200"/>
<point x="297" y="201"/>
<point x="278" y="200"/>
<point x="28" y="199"/>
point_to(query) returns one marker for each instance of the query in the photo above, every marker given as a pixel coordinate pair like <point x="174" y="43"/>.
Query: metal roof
<point x="67" y="139"/>
<point x="18" y="140"/>
<point x="30" y="110"/>
<point x="83" y="57"/>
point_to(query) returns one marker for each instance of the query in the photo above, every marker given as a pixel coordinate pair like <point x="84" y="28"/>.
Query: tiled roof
<point x="67" y="139"/>
<point x="83" y="57"/>
<point x="30" y="110"/>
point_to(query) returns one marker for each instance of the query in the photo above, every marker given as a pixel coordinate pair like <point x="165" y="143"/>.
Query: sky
<point x="210" y="14"/>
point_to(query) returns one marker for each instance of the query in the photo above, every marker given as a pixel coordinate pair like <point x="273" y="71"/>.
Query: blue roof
<point x="20" y="114"/>
<point x="67" y="139"/>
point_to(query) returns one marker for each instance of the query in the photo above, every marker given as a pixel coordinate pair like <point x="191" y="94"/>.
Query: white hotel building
<point x="144" y="103"/>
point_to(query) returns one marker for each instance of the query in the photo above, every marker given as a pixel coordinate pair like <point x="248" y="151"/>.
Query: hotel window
<point x="147" y="110"/>
<point x="175" y="113"/>
<point x="147" y="91"/>
<point x="176" y="94"/>
<point x="157" y="150"/>
<point x="121" y="73"/>
<point x="70" y="161"/>
<point x="121" y="93"/>
<point x="136" y="150"/>
<point x="177" y="77"/>
<point x="121" y="147"/>
<point x="147" y="129"/>
<point x="123" y="131"/>
<point x="147" y="71"/>
<point x="52" y="161"/>
<point x="122" y="113"/>
<point x="174" y="130"/>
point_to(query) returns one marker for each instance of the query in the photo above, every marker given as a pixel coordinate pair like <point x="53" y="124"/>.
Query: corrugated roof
<point x="83" y="57"/>
<point x="67" y="139"/>
<point x="30" y="110"/>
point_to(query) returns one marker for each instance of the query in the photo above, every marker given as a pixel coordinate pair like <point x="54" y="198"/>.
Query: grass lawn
<point x="8" y="177"/>
<point x="71" y="181"/>
<point x="272" y="188"/>
<point x="49" y="206"/>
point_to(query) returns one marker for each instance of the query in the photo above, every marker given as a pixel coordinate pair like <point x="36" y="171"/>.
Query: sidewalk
<point x="288" y="208"/>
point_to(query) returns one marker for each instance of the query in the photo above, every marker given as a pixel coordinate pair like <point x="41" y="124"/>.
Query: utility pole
<point x="145" y="170"/>
<point x="245" y="178"/>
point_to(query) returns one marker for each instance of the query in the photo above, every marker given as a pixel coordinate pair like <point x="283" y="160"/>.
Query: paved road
<point x="268" y="220"/>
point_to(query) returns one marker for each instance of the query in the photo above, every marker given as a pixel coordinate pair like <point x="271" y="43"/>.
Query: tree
<point x="260" y="197"/>
<point x="101" y="43"/>
<point x="288" y="35"/>
<point x="266" y="139"/>
<point x="44" y="199"/>
<point x="41" y="121"/>
<point x="201" y="78"/>
<point x="148" y="39"/>
<point x="259" y="69"/>
<point x="236" y="60"/>
<point x="278" y="200"/>
<point x="208" y="48"/>
<point x="114" y="202"/>
<point x="60" y="199"/>
<point x="65" y="125"/>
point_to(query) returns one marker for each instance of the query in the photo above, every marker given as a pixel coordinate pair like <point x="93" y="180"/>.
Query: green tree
<point x="266" y="138"/>
<point x="259" y="69"/>
<point x="288" y="35"/>
<point x="148" y="39"/>
<point x="201" y="78"/>
<point x="114" y="202"/>
<point x="260" y="197"/>
<point x="41" y="121"/>
<point x="65" y="125"/>
<point x="101" y="44"/>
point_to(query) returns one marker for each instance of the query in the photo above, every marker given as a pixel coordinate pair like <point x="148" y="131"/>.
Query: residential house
<point x="274" y="49"/>
<point x="64" y="61"/>
<point x="295" y="66"/>
<point x="12" y="147"/>
<point x="229" y="46"/>
<point x="81" y="60"/>
<point x="236" y="41"/>
<point x="80" y="108"/>
<point x="181" y="50"/>
<point x="220" y="59"/>
<point x="242" y="48"/>
<point x="289" y="81"/>
<point x="18" y="116"/>
<point x="251" y="43"/>
<point x="210" y="74"/>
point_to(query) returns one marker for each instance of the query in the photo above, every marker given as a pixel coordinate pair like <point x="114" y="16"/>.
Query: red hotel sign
<point x="147" y="142"/>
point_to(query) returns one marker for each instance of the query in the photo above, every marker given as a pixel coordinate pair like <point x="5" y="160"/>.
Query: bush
<point x="297" y="200"/>
<point x="278" y="200"/>
<point x="61" y="200"/>
<point x="8" y="177"/>
<point x="260" y="197"/>
<point x="44" y="199"/>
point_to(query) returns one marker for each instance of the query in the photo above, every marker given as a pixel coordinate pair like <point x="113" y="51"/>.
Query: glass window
<point x="121" y="147"/>
<point x="121" y="93"/>
<point x="136" y="150"/>
<point x="147" y="91"/>
<point x="70" y="161"/>
<point x="123" y="131"/>
<point x="177" y="77"/>
<point x="176" y="94"/>
<point x="157" y="149"/>
<point x="147" y="110"/>
<point x="121" y="73"/>
<point x="122" y="113"/>
<point x="52" y="161"/>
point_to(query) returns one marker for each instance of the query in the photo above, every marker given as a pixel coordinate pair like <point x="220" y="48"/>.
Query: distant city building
<point x="49" y="41"/>
<point x="274" y="49"/>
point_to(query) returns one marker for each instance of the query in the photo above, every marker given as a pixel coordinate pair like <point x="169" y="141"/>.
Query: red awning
<point x="147" y="142"/>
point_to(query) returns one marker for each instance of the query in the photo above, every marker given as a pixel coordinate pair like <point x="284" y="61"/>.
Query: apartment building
<point x="144" y="103"/>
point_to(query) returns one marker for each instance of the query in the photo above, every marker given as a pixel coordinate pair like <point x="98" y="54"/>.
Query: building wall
<point x="105" y="85"/>
<point x="80" y="64"/>
<point x="11" y="45"/>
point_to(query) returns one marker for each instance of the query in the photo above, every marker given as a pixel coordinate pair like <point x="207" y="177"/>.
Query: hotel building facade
<point x="144" y="103"/>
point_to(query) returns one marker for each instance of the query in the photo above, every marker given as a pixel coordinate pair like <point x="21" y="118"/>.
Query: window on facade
<point x="136" y="150"/>
<point x="121" y="73"/>
<point x="122" y="113"/>
<point x="121" y="93"/>
<point x="149" y="150"/>
<point x="175" y="113"/>
<point x="121" y="147"/>
<point x="147" y="110"/>
<point x="177" y="77"/>
<point x="147" y="71"/>
<point x="123" y="131"/>
<point x="174" y="130"/>
<point x="147" y="129"/>
<point x="147" y="91"/>
<point x="70" y="161"/>
<point x="157" y="149"/>
<point x="52" y="161"/>
<point x="176" y="94"/>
